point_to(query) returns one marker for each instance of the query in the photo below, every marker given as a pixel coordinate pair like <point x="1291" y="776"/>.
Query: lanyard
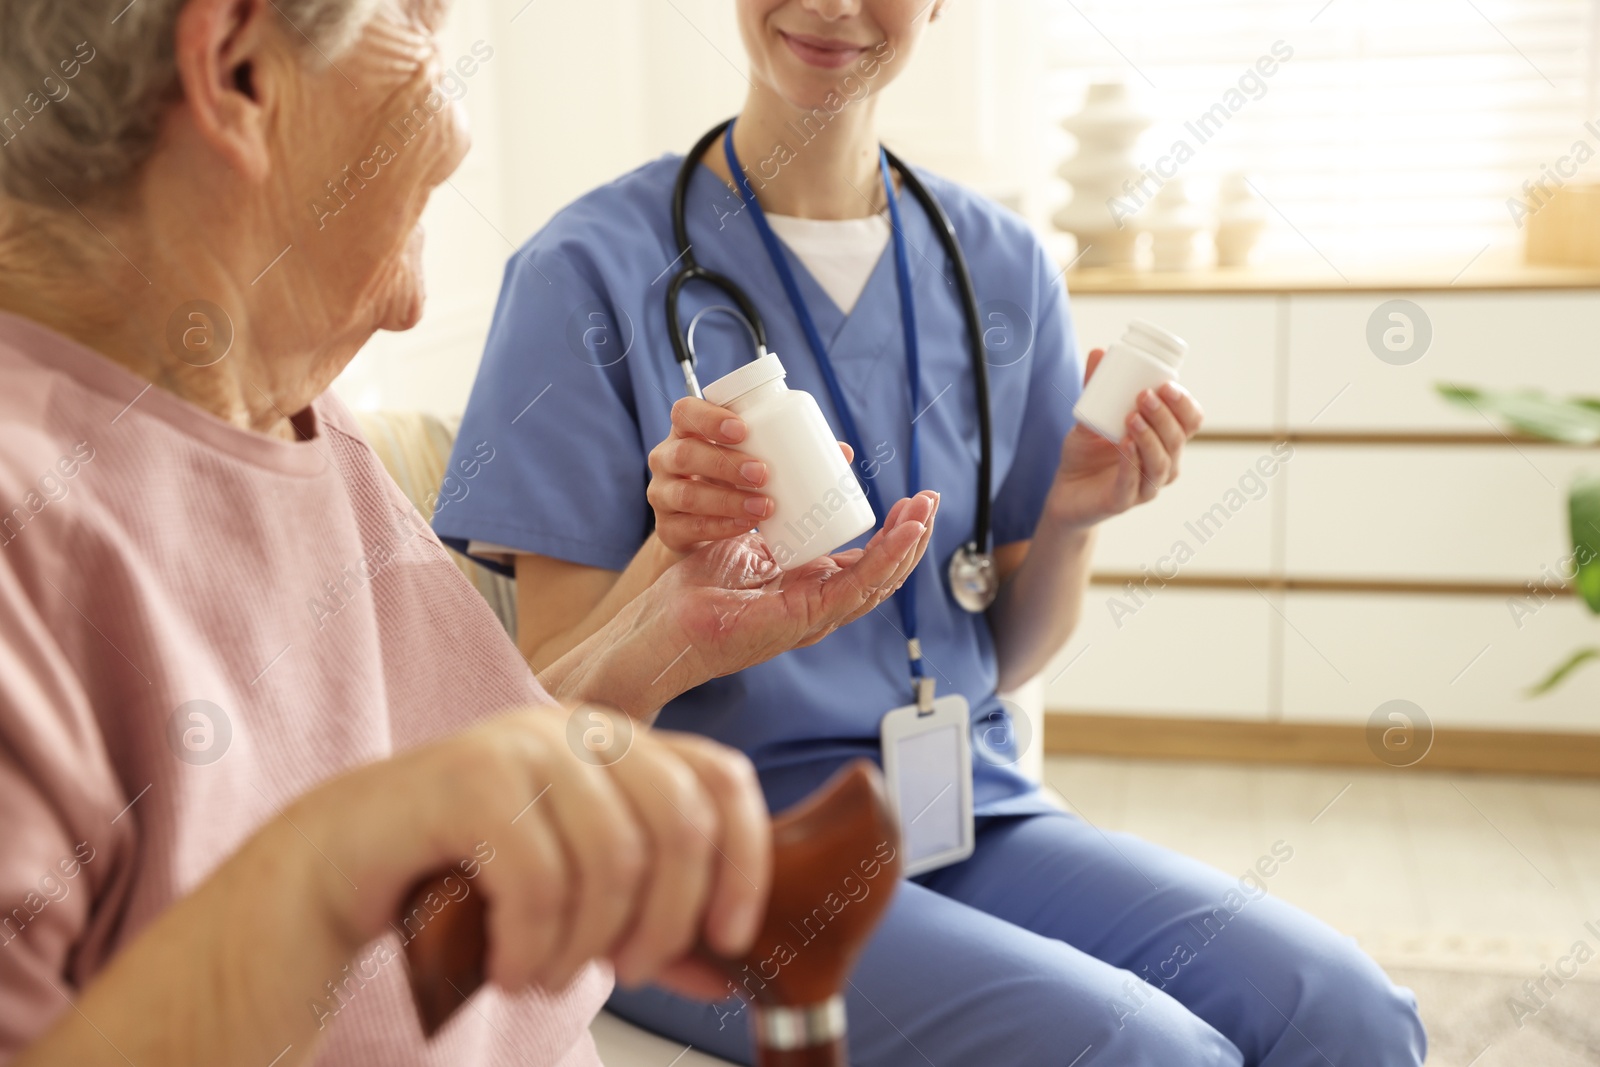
<point x="906" y="598"/>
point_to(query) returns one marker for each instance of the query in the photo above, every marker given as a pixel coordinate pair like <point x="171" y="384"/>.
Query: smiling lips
<point x="823" y="52"/>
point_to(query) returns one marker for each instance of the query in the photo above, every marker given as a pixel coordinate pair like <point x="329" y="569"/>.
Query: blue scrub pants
<point x="1035" y="953"/>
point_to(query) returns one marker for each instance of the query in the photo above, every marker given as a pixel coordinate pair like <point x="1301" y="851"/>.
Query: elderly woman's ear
<point x="229" y="56"/>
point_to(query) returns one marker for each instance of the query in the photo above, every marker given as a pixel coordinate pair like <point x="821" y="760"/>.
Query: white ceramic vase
<point x="1241" y="216"/>
<point x="1106" y="129"/>
<point x="1174" y="222"/>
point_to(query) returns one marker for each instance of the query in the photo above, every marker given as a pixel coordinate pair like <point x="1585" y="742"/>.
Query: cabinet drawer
<point x="1466" y="661"/>
<point x="1538" y="340"/>
<point x="1470" y="513"/>
<point x="1215" y="519"/>
<point x="1183" y="652"/>
<point x="1231" y="364"/>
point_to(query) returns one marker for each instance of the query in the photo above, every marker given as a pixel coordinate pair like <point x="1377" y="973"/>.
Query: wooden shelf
<point x="1386" y="438"/>
<point x="1492" y="271"/>
<point x="1309" y="584"/>
<point x="1077" y="733"/>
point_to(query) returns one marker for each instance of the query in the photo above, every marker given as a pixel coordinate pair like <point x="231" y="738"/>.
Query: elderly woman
<point x="213" y="798"/>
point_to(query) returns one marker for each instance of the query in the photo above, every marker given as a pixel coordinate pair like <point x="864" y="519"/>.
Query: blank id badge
<point x="927" y="764"/>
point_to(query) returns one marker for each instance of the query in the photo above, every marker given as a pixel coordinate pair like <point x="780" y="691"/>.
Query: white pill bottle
<point x="1146" y="358"/>
<point x="817" y="503"/>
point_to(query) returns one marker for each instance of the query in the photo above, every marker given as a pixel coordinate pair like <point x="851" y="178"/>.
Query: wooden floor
<point x="1470" y="871"/>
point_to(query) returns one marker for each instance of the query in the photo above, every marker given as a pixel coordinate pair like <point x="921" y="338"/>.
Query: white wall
<point x="578" y="93"/>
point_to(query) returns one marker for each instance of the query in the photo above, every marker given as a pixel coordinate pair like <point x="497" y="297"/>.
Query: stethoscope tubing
<point x="689" y="270"/>
<point x="946" y="232"/>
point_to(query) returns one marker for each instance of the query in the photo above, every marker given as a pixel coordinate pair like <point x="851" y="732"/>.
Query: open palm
<point x="736" y="608"/>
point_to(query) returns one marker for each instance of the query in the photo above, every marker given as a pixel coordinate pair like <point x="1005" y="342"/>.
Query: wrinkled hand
<point x="632" y="860"/>
<point x="702" y="488"/>
<point x="732" y="607"/>
<point x="1098" y="479"/>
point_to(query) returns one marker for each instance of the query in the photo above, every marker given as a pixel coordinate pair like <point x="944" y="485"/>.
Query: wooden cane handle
<point x="836" y="864"/>
<point x="446" y="942"/>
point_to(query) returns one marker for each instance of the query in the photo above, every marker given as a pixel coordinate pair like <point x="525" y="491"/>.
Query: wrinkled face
<point x="804" y="50"/>
<point x="360" y="145"/>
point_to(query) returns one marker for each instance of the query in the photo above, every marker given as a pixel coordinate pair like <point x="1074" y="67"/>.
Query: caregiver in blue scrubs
<point x="1056" y="943"/>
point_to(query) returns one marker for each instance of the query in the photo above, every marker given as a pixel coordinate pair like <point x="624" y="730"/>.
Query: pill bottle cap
<point x="758" y="372"/>
<point x="1167" y="347"/>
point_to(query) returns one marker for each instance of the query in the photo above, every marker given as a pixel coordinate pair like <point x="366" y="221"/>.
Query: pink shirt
<point x="152" y="557"/>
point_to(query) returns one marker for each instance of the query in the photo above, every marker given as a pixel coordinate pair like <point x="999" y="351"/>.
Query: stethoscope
<point x="974" y="580"/>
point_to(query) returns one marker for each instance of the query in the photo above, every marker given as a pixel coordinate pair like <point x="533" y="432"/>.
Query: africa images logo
<point x="199" y="732"/>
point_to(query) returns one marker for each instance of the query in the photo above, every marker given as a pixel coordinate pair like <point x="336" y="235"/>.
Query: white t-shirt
<point x="839" y="253"/>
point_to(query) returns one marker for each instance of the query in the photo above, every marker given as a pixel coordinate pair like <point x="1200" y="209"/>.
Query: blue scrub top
<point x="577" y="385"/>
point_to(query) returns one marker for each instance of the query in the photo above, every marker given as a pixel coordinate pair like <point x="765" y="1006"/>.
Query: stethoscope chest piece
<point x="974" y="579"/>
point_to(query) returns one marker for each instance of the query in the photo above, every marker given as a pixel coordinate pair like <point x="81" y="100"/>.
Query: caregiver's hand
<point x="631" y="862"/>
<point x="1098" y="479"/>
<point x="701" y="488"/>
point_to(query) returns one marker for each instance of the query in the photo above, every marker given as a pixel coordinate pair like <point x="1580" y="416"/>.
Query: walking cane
<point x="836" y="863"/>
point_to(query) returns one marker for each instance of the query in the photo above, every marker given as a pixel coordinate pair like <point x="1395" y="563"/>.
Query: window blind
<point x="1396" y="128"/>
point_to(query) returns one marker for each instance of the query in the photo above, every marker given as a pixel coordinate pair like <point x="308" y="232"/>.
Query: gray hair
<point x="83" y="87"/>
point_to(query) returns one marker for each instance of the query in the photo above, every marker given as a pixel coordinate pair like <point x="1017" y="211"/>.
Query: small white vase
<point x="1174" y="223"/>
<point x="1241" y="216"/>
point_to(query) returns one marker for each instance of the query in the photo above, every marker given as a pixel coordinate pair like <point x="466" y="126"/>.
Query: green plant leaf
<point x="1559" y="675"/>
<point x="1573" y="422"/>
<point x="1583" y="503"/>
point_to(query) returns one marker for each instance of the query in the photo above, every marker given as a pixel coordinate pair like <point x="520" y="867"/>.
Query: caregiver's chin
<point x="818" y="66"/>
<point x="287" y="195"/>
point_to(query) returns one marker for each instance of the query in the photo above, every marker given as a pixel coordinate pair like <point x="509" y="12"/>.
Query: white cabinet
<point x="1462" y="659"/>
<point x="1176" y="652"/>
<point x="1386" y="553"/>
<point x="1217" y="518"/>
<point x="1469" y="513"/>
<point x="1543" y="340"/>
